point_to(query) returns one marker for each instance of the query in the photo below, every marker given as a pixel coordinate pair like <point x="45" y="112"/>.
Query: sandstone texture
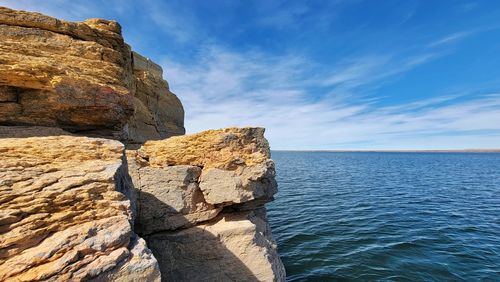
<point x="64" y="214"/>
<point x="200" y="205"/>
<point x="158" y="112"/>
<point x="76" y="76"/>
<point x="83" y="78"/>
<point x="232" y="247"/>
<point x="229" y="148"/>
<point x="95" y="184"/>
<point x="188" y="179"/>
<point x="168" y="198"/>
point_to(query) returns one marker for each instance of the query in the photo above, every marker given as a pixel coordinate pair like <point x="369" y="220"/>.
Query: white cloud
<point x="224" y="89"/>
<point x="450" y="38"/>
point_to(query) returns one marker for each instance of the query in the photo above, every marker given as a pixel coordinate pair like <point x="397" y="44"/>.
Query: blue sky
<point x="321" y="74"/>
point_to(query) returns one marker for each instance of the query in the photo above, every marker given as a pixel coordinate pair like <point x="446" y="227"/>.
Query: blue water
<point x="388" y="216"/>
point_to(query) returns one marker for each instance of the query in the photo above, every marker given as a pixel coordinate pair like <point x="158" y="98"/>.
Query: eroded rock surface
<point x="67" y="202"/>
<point x="158" y="112"/>
<point x="77" y="76"/>
<point x="83" y="78"/>
<point x="229" y="148"/>
<point x="235" y="162"/>
<point x="168" y="198"/>
<point x="64" y="214"/>
<point x="201" y="203"/>
<point x="232" y="247"/>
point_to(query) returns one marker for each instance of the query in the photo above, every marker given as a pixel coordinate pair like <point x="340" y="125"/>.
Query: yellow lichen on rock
<point x="227" y="148"/>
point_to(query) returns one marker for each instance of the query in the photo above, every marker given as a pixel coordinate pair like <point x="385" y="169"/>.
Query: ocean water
<point x="388" y="216"/>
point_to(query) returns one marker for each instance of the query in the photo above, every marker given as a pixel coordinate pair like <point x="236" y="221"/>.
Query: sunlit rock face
<point x="158" y="112"/>
<point x="77" y="76"/>
<point x="82" y="77"/>
<point x="65" y="214"/>
<point x="231" y="247"/>
<point x="200" y="202"/>
<point x="91" y="189"/>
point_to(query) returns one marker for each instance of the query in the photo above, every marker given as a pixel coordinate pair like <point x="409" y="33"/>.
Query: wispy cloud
<point x="450" y="38"/>
<point x="232" y="89"/>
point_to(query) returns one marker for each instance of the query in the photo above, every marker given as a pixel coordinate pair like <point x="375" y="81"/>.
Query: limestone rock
<point x="229" y="149"/>
<point x="158" y="112"/>
<point x="76" y="76"/>
<point x="83" y="78"/>
<point x="64" y="214"/>
<point x="231" y="247"/>
<point x="169" y="197"/>
<point x="254" y="182"/>
<point x="235" y="162"/>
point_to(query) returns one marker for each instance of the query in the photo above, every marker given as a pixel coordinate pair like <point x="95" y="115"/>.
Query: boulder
<point x="177" y="193"/>
<point x="200" y="201"/>
<point x="64" y="213"/>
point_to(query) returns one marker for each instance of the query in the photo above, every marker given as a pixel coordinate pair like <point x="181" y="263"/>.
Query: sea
<point x="386" y="216"/>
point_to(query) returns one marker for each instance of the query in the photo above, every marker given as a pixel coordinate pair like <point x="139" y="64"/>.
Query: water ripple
<point x="388" y="216"/>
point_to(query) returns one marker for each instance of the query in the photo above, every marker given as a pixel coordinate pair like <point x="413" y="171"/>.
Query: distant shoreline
<point x="398" y="151"/>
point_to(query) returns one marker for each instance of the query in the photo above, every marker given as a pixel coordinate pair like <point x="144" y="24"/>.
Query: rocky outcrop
<point x="75" y="201"/>
<point x="83" y="78"/>
<point x="200" y="205"/>
<point x="76" y="76"/>
<point x="158" y="112"/>
<point x="64" y="212"/>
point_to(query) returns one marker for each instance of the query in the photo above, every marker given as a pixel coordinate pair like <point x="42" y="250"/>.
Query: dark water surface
<point x="388" y="216"/>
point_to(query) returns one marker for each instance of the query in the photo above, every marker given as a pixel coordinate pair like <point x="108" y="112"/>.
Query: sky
<point x="321" y="75"/>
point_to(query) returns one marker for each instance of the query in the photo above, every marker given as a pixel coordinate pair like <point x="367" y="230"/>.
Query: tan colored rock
<point x="235" y="162"/>
<point x="231" y="247"/>
<point x="158" y="112"/>
<point x="83" y="78"/>
<point x="141" y="266"/>
<point x="64" y="214"/>
<point x="76" y="76"/>
<point x="228" y="148"/>
<point x="187" y="180"/>
<point x="169" y="197"/>
<point x="250" y="183"/>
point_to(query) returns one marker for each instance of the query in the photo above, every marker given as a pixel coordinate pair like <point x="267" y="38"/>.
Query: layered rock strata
<point x="81" y="77"/>
<point x="191" y="191"/>
<point x="72" y="207"/>
<point x="158" y="112"/>
<point x="64" y="214"/>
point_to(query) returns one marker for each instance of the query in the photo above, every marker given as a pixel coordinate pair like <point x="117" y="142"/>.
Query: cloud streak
<point x="224" y="88"/>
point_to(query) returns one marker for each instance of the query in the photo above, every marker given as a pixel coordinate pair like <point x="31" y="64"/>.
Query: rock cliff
<point x="83" y="78"/>
<point x="96" y="181"/>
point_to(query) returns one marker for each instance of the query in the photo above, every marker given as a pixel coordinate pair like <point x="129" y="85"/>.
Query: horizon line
<point x="492" y="150"/>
